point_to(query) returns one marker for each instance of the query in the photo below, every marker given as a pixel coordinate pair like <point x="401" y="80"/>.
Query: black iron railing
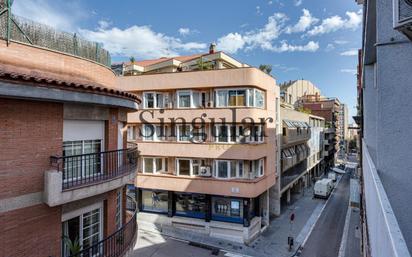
<point x="118" y="243"/>
<point x="86" y="169"/>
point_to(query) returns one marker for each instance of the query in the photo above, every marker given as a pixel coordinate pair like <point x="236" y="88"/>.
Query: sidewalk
<point x="273" y="241"/>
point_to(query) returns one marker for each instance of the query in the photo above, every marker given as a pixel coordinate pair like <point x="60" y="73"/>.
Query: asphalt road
<point x="325" y="239"/>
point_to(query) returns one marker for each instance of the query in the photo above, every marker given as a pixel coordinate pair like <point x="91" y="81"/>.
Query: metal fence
<point x="84" y="169"/>
<point x="19" y="29"/>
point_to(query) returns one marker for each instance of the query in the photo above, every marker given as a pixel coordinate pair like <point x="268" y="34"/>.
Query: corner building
<point x="216" y="184"/>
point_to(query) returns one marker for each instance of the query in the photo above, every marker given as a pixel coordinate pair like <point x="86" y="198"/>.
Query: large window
<point x="190" y="205"/>
<point x="81" y="166"/>
<point x="155" y="201"/>
<point x="183" y="133"/>
<point x="153" y="132"/>
<point x="229" y="169"/>
<point x="240" y="97"/>
<point x="154" y="165"/>
<point x="184" y="99"/>
<point x="153" y="100"/>
<point x="131" y="132"/>
<point x="258" y="167"/>
<point x="189" y="167"/>
<point x="239" y="134"/>
<point x="227" y="209"/>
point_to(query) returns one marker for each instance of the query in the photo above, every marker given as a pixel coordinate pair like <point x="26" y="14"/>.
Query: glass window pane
<point x="159" y="164"/>
<point x="221" y="98"/>
<point x="191" y="205"/>
<point x="184" y="167"/>
<point x="148" y="165"/>
<point x="232" y="98"/>
<point x="156" y="201"/>
<point x="222" y="169"/>
<point x="184" y="99"/>
<point x="241" y="98"/>
<point x="222" y="133"/>
<point x="233" y="169"/>
<point x="159" y="101"/>
<point x="149" y="100"/>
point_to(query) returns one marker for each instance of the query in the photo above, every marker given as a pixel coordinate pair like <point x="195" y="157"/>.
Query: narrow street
<point x="325" y="239"/>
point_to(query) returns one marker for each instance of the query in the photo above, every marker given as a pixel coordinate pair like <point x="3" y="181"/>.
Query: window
<point x="258" y="167"/>
<point x="183" y="133"/>
<point x="87" y="228"/>
<point x="153" y="132"/>
<point x="239" y="134"/>
<point x="189" y="167"/>
<point x="227" y="209"/>
<point x="154" y="165"/>
<point x="155" y="201"/>
<point x="239" y="98"/>
<point x="118" y="218"/>
<point x="284" y="131"/>
<point x="227" y="169"/>
<point x="131" y="132"/>
<point x="184" y="99"/>
<point x="222" y="133"/>
<point x="190" y="205"/>
<point x="153" y="100"/>
<point x="82" y="166"/>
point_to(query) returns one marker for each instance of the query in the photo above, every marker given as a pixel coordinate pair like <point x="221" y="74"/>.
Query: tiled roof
<point x="53" y="81"/>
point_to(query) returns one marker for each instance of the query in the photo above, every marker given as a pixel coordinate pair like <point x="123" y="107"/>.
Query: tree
<point x="266" y="68"/>
<point x="201" y="65"/>
<point x="132" y="59"/>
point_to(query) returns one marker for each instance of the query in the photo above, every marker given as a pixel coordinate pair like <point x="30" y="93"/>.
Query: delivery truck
<point x="323" y="188"/>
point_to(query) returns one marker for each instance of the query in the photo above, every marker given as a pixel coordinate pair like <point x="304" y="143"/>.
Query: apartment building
<point x="64" y="158"/>
<point x="292" y="91"/>
<point x="343" y="127"/>
<point x="329" y="109"/>
<point x="384" y="116"/>
<point x="207" y="140"/>
<point x="301" y="154"/>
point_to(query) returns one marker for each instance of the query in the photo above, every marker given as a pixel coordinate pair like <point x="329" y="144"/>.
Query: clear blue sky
<point x="311" y="39"/>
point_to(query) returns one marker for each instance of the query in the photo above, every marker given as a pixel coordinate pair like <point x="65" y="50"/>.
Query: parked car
<point x="323" y="188"/>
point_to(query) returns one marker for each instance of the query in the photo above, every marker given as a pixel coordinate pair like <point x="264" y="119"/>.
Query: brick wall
<point x="58" y="64"/>
<point x="110" y="213"/>
<point x="31" y="231"/>
<point x="30" y="132"/>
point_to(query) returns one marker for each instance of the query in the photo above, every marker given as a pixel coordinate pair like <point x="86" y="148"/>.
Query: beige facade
<point x="292" y="91"/>
<point x="201" y="143"/>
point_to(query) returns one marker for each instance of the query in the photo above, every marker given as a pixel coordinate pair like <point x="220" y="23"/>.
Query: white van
<point x="323" y="188"/>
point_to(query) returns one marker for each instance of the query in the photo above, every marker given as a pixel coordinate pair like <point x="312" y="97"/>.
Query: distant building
<point x="292" y="91"/>
<point x="302" y="144"/>
<point x="329" y="109"/>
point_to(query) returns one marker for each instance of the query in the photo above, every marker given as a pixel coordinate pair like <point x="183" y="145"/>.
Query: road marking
<point x="344" y="240"/>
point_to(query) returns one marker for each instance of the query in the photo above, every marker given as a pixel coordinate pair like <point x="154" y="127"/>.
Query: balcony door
<point x="85" y="229"/>
<point x="83" y="159"/>
<point x="82" y="143"/>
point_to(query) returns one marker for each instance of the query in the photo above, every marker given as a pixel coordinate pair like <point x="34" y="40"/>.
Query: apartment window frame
<point x="189" y="93"/>
<point x="192" y="164"/>
<point x="155" y="163"/>
<point x="156" y="103"/>
<point x="223" y="95"/>
<point x="236" y="172"/>
<point x="240" y="137"/>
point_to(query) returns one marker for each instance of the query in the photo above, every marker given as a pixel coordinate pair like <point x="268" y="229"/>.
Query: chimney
<point x="212" y="48"/>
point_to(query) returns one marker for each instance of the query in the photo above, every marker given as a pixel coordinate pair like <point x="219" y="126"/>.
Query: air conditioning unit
<point x="205" y="171"/>
<point x="402" y="20"/>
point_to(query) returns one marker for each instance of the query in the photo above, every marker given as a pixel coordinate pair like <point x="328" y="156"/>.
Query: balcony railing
<point x="92" y="168"/>
<point x="118" y="243"/>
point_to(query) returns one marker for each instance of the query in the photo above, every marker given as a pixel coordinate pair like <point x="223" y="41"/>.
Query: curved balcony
<point x="118" y="243"/>
<point x="80" y="176"/>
